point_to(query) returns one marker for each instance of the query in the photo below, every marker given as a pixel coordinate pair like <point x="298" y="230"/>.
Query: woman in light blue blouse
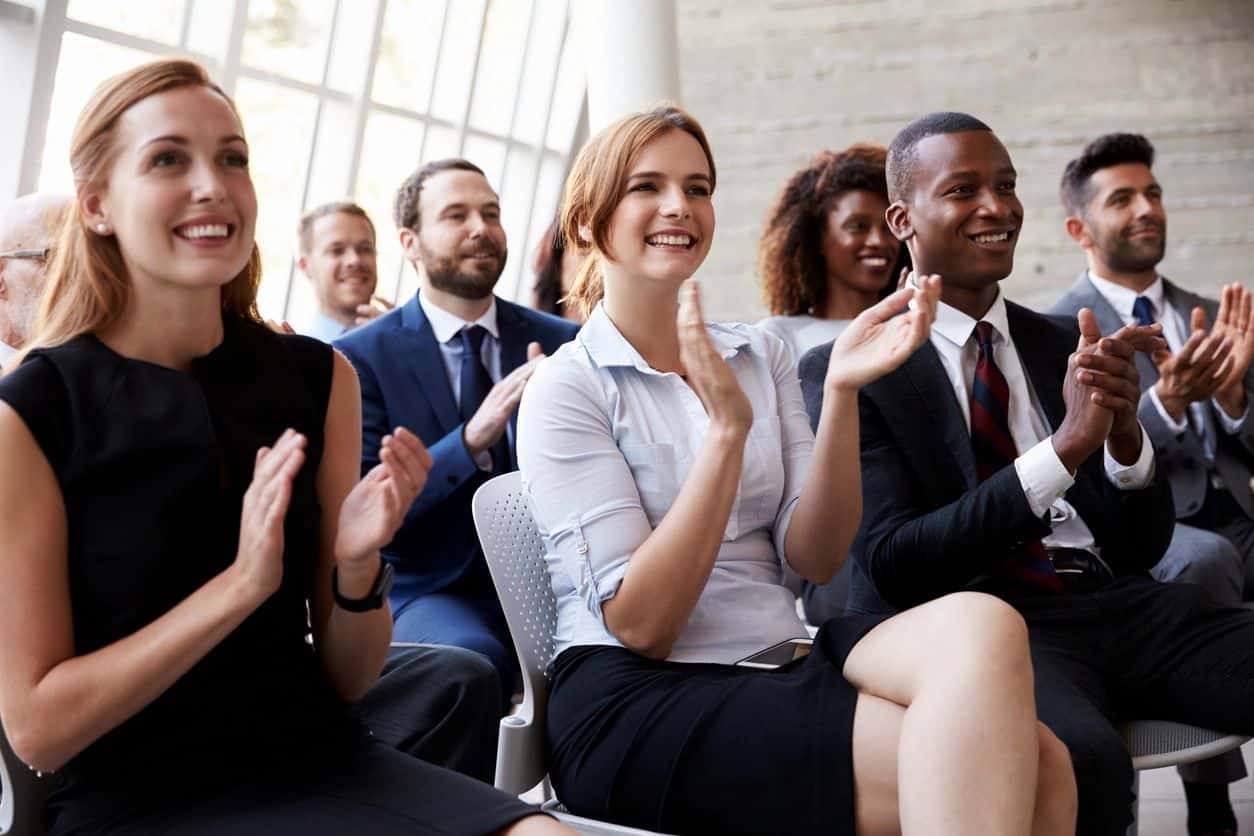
<point x="673" y="473"/>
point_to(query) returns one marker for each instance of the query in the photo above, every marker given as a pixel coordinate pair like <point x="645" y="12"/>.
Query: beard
<point x="445" y="271"/>
<point x="1128" y="256"/>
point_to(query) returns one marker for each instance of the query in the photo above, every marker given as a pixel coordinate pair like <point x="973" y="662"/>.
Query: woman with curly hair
<point x="827" y="253"/>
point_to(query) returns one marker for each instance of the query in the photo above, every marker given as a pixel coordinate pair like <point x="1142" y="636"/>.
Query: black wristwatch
<point x="374" y="598"/>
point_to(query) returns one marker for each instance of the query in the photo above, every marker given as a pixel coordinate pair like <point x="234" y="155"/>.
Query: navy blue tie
<point x="1143" y="311"/>
<point x="476" y="383"/>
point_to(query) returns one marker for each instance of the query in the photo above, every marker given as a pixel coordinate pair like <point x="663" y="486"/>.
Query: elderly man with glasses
<point x="28" y="227"/>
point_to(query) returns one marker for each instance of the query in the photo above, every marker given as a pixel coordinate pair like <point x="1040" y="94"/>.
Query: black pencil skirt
<point x="705" y="748"/>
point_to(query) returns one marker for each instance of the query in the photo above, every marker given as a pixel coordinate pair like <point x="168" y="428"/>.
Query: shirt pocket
<point x="655" y="470"/>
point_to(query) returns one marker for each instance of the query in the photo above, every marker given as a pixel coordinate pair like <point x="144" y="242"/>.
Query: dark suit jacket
<point x="928" y="526"/>
<point x="1181" y="458"/>
<point x="404" y="383"/>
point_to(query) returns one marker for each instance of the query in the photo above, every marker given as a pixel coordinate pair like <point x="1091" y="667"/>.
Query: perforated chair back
<point x="515" y="556"/>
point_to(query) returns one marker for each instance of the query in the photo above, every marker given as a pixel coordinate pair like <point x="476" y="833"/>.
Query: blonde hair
<point x="87" y="286"/>
<point x="596" y="183"/>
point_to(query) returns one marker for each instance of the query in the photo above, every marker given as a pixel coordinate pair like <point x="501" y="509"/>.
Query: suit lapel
<point x="931" y="384"/>
<point x="1038" y="351"/>
<point x="427" y="363"/>
<point x="514" y="337"/>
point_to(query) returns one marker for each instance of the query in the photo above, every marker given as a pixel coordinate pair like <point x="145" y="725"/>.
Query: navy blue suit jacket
<point x="404" y="383"/>
<point x="929" y="526"/>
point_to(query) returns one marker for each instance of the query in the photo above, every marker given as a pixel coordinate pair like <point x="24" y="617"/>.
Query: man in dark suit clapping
<point x="1005" y="456"/>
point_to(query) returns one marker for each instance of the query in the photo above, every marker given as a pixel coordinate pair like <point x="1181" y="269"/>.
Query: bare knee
<point x="985" y="632"/>
<point x="1056" y="792"/>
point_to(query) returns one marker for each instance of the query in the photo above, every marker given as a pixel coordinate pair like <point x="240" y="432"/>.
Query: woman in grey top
<point x="672" y="472"/>
<point x="826" y="254"/>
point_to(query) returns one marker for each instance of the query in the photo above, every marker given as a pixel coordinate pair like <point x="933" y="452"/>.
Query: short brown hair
<point x="304" y="230"/>
<point x="596" y="182"/>
<point x="405" y="207"/>
<point x="790" y="253"/>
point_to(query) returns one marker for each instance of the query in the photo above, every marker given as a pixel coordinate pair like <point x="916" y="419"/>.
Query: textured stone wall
<point x="775" y="80"/>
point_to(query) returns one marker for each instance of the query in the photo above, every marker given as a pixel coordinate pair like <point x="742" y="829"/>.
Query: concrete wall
<point x="774" y="81"/>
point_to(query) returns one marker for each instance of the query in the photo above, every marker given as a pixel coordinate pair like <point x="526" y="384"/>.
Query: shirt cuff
<point x="1230" y="425"/>
<point x="1175" y="426"/>
<point x="1135" y="476"/>
<point x="1043" y="476"/>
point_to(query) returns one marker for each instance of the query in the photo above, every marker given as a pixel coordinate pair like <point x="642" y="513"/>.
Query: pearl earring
<point x="102" y="228"/>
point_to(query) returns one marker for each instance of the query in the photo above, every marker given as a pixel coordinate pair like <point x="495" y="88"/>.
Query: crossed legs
<point x="945" y="736"/>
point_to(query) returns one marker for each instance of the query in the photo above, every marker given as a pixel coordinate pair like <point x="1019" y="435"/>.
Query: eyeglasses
<point x="38" y="254"/>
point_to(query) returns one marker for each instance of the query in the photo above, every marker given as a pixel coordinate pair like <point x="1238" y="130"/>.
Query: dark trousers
<point x="439" y="704"/>
<point x="1135" y="649"/>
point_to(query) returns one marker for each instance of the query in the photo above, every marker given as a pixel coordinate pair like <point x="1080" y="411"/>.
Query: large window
<point x="344" y="98"/>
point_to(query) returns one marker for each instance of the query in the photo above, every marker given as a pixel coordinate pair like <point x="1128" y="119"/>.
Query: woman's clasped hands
<point x="707" y="372"/>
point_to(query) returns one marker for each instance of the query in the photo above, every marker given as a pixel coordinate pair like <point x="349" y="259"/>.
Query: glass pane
<point x="289" y="37"/>
<point x="389" y="155"/>
<point x="567" y="98"/>
<point x="407" y="53"/>
<point x="441" y="143"/>
<point x="278" y="123"/>
<point x="537" y="76"/>
<point x="520" y="226"/>
<point x="548" y="191"/>
<point x="329" y="178"/>
<point x="351" y="44"/>
<point x="84" y="64"/>
<point x="457" y="60"/>
<point x="210" y="28"/>
<point x="500" y="57"/>
<point x="158" y="20"/>
<point x="488" y="154"/>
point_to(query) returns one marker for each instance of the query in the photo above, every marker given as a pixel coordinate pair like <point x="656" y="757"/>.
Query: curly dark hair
<point x="1105" y="151"/>
<point x="790" y="253"/>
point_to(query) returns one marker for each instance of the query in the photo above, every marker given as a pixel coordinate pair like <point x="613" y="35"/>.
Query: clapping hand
<point x="375" y="507"/>
<point x="376" y="307"/>
<point x="1234" y="323"/>
<point x="707" y="372"/>
<point x="882" y="337"/>
<point x="1200" y="367"/>
<point x="259" y="558"/>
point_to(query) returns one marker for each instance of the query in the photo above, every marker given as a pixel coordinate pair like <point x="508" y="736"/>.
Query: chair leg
<point x="1136" y="803"/>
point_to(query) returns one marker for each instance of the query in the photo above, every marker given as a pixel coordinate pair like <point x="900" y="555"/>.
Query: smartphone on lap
<point x="778" y="655"/>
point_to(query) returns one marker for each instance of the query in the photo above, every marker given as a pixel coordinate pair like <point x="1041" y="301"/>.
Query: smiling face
<point x="1125" y="222"/>
<point x="663" y="224"/>
<point x="178" y="197"/>
<point x="963" y="217"/>
<point x="460" y="241"/>
<point x="859" y="249"/>
<point x="341" y="262"/>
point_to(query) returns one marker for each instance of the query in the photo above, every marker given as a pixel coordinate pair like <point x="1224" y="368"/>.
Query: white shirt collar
<point x="1122" y="298"/>
<point x="6" y="352"/>
<point x="956" y="327"/>
<point x="607" y="346"/>
<point x="447" y="325"/>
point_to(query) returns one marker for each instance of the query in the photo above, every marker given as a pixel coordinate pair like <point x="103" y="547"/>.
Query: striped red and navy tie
<point x="994" y="449"/>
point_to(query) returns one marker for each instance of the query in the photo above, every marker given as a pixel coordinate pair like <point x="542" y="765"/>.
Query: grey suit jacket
<point x="1182" y="458"/>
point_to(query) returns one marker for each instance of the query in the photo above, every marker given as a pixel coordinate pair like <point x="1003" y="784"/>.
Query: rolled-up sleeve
<point x="581" y="488"/>
<point x="796" y="438"/>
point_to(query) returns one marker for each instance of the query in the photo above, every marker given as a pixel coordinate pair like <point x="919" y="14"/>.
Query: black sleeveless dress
<point x="153" y="464"/>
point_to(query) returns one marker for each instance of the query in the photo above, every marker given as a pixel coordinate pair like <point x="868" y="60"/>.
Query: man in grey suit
<point x="1195" y="397"/>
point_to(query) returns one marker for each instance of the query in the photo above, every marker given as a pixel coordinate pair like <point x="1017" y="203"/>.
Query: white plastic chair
<point x="1155" y="744"/>
<point x="515" y="555"/>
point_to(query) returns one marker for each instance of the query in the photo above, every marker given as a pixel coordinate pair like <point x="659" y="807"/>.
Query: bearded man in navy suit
<point x="1005" y="456"/>
<point x="450" y="365"/>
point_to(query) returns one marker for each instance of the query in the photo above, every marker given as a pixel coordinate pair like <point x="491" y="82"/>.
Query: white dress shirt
<point x="6" y="352"/>
<point x="323" y="327"/>
<point x="604" y="444"/>
<point x="1176" y="330"/>
<point x="447" y="328"/>
<point x="1041" y="473"/>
